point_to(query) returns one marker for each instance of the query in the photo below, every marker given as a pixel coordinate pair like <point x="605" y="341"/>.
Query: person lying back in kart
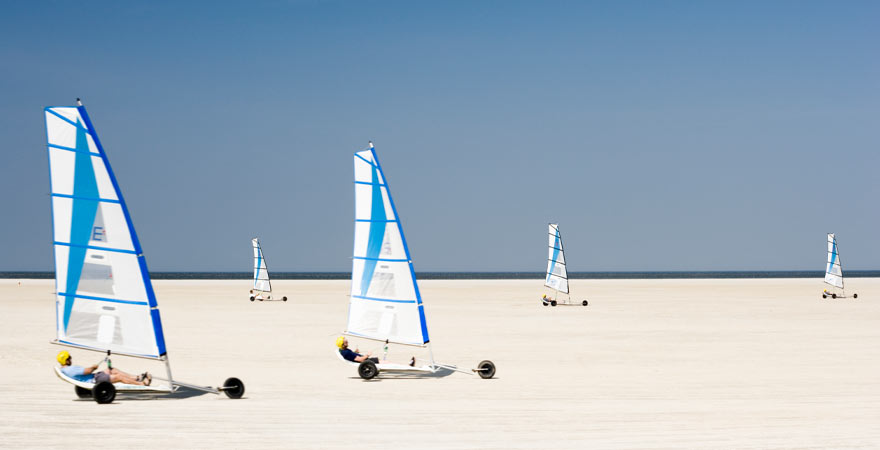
<point x="93" y="375"/>
<point x="354" y="356"/>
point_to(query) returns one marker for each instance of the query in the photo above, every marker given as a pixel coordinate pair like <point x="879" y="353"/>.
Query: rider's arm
<point x="88" y="370"/>
<point x="362" y="358"/>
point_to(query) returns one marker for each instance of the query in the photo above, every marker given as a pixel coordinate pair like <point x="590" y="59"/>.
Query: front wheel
<point x="486" y="369"/>
<point x="585" y="303"/>
<point x="855" y="295"/>
<point x="233" y="388"/>
<point x="553" y="303"/>
<point x="833" y="295"/>
<point x="368" y="370"/>
<point x="104" y="392"/>
<point x="82" y="392"/>
<point x="284" y="298"/>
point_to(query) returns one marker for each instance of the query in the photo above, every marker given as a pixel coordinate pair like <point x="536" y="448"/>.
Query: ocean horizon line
<point x="513" y="275"/>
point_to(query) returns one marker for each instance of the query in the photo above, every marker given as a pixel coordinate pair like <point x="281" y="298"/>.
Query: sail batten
<point x="104" y="296"/>
<point x="385" y="303"/>
<point x="557" y="273"/>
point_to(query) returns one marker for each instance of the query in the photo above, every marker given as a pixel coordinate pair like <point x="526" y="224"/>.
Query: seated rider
<point x="92" y="375"/>
<point x="354" y="356"/>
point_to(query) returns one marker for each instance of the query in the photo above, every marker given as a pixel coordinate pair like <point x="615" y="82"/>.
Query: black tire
<point x="545" y="303"/>
<point x="824" y="296"/>
<point x="855" y="295"/>
<point x="486" y="369"/>
<point x="82" y="392"/>
<point x="284" y="298"/>
<point x="261" y="299"/>
<point x="585" y="303"/>
<point x="104" y="392"/>
<point x="233" y="388"/>
<point x="553" y="303"/>
<point x="833" y="295"/>
<point x="252" y="298"/>
<point x="368" y="370"/>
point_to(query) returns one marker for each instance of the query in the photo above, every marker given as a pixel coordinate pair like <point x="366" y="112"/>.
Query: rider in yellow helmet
<point x="354" y="356"/>
<point x="92" y="375"/>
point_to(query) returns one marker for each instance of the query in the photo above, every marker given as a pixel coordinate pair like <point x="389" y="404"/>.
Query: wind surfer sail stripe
<point x="383" y="299"/>
<point x="369" y="184"/>
<point x="71" y="149"/>
<point x="379" y="259"/>
<point x="98" y="257"/>
<point x="95" y="247"/>
<point x="385" y="302"/>
<point x="102" y="299"/>
<point x="94" y="199"/>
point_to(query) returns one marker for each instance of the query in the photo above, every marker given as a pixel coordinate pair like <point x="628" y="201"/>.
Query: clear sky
<point x="661" y="135"/>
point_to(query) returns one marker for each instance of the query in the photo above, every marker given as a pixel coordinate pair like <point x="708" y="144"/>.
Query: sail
<point x="385" y="301"/>
<point x="833" y="272"/>
<point x="261" y="272"/>
<point x="104" y="297"/>
<point x="557" y="275"/>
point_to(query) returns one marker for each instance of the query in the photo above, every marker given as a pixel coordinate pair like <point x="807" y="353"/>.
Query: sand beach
<point x="649" y="364"/>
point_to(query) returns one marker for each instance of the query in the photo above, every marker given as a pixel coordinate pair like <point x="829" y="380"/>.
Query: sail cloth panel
<point x="105" y="300"/>
<point x="261" y="272"/>
<point x="833" y="272"/>
<point x="385" y="301"/>
<point x="557" y="275"/>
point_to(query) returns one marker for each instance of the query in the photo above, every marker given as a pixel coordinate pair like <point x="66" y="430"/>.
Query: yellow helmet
<point x="545" y="295"/>
<point x="339" y="341"/>
<point x="62" y="357"/>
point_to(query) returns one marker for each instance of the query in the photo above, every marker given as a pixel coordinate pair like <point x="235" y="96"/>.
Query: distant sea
<point x="486" y="275"/>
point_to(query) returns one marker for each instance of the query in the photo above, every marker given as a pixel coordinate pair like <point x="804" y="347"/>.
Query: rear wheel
<point x="82" y="392"/>
<point x="553" y="303"/>
<point x="824" y="296"/>
<point x="252" y="298"/>
<point x="486" y="369"/>
<point x="104" y="392"/>
<point x="368" y="370"/>
<point x="833" y="295"/>
<point x="233" y="388"/>
<point x="284" y="298"/>
<point x="544" y="303"/>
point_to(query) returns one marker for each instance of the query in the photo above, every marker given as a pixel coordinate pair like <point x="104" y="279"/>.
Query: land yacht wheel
<point x="824" y="296"/>
<point x="585" y="303"/>
<point x="545" y="303"/>
<point x="486" y="369"/>
<point x="82" y="392"/>
<point x="368" y="370"/>
<point x="233" y="387"/>
<point x="833" y="295"/>
<point x="104" y="392"/>
<point x="252" y="298"/>
<point x="284" y="298"/>
<point x="855" y="295"/>
<point x="553" y="303"/>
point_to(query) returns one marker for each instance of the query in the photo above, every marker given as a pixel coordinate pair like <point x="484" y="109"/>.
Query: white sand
<point x="649" y="364"/>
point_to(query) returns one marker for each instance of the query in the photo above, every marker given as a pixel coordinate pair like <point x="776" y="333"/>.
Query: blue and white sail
<point x="557" y="275"/>
<point x="105" y="300"/>
<point x="833" y="271"/>
<point x="261" y="271"/>
<point x="385" y="300"/>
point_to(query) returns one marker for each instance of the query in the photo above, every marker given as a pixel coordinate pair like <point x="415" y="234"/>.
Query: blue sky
<point x="660" y="135"/>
